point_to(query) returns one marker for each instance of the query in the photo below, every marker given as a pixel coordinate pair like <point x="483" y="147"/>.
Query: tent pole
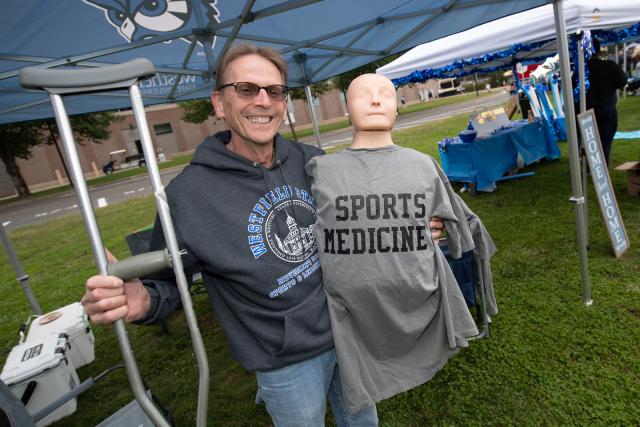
<point x="21" y="276"/>
<point x="583" y="157"/>
<point x="624" y="67"/>
<point x="572" y="141"/>
<point x="475" y="79"/>
<point x="314" y="120"/>
<point x="293" y="130"/>
<point x="615" y="50"/>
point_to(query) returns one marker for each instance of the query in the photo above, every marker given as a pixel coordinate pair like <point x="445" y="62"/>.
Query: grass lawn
<point x="550" y="360"/>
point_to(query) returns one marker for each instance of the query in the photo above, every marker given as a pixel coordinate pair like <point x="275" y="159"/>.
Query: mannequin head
<point x="372" y="104"/>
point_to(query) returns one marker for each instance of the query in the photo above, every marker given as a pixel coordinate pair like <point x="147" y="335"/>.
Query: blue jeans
<point x="296" y="395"/>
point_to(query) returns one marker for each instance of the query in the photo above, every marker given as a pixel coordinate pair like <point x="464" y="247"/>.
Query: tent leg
<point x="100" y="257"/>
<point x="21" y="276"/>
<point x="624" y="67"/>
<point x="615" y="50"/>
<point x="475" y="79"/>
<point x="572" y="141"/>
<point x="293" y="130"/>
<point x="314" y="120"/>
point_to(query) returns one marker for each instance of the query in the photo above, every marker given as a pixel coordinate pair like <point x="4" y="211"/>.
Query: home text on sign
<point x="602" y="182"/>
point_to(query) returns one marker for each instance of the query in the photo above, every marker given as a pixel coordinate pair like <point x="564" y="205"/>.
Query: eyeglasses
<point x="248" y="90"/>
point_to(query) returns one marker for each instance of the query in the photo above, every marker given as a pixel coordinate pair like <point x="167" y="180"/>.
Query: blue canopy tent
<point x="185" y="39"/>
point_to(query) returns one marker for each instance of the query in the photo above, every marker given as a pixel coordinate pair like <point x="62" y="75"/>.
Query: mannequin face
<point x="372" y="105"/>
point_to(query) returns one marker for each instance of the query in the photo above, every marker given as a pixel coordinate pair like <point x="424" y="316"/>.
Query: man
<point x="244" y="213"/>
<point x="604" y="79"/>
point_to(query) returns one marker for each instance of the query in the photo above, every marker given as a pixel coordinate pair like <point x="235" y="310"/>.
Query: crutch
<point x="114" y="77"/>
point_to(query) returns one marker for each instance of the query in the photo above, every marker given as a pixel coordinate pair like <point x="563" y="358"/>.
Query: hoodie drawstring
<point x="266" y="188"/>
<point x="293" y="206"/>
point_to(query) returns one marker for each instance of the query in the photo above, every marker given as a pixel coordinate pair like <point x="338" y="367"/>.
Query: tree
<point x="496" y="78"/>
<point x="17" y="140"/>
<point x="197" y="110"/>
<point x="343" y="80"/>
<point x="317" y="89"/>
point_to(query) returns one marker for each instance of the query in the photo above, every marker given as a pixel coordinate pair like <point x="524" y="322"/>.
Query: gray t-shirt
<point x="397" y="313"/>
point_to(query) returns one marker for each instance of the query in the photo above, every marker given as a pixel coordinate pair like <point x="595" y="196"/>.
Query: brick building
<point x="170" y="134"/>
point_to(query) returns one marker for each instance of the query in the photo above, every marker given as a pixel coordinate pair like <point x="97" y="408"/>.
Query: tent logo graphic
<point x="144" y="19"/>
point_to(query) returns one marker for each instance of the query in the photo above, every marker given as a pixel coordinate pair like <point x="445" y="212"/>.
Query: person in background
<point x="604" y="79"/>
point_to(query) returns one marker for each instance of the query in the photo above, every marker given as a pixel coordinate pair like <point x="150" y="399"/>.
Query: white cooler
<point x="42" y="363"/>
<point x="73" y="321"/>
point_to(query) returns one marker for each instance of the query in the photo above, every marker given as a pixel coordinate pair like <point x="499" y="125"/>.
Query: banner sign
<point x="602" y="182"/>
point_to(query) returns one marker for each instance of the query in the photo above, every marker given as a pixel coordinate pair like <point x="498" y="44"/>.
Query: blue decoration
<point x="449" y="70"/>
<point x="606" y="36"/>
<point x="587" y="48"/>
<point x="611" y="36"/>
<point x="468" y="135"/>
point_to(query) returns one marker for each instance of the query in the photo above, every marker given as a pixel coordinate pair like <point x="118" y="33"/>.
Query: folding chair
<point x="112" y="78"/>
<point x="469" y="273"/>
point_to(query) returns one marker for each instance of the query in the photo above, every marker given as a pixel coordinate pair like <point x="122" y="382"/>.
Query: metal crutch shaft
<point x="172" y="245"/>
<point x="100" y="257"/>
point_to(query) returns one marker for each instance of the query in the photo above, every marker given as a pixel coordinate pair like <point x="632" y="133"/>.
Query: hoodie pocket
<point x="306" y="329"/>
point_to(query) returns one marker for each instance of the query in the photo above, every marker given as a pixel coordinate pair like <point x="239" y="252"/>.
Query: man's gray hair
<point x="236" y="52"/>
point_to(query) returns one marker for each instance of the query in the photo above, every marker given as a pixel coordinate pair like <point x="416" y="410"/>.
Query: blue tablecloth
<point x="485" y="160"/>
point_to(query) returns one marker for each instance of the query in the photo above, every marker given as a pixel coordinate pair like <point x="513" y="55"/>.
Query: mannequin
<point x="397" y="313"/>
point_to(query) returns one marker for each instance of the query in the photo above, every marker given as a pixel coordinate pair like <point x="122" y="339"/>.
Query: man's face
<point x="372" y="105"/>
<point x="252" y="121"/>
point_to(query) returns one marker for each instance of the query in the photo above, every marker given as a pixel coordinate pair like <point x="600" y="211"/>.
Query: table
<point x="484" y="161"/>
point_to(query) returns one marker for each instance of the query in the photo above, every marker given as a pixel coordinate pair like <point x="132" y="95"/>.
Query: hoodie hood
<point x="213" y="153"/>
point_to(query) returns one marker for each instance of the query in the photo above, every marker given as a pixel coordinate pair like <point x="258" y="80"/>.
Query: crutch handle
<point x="140" y="265"/>
<point x="61" y="81"/>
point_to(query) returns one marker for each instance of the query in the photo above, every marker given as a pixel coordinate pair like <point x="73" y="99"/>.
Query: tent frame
<point x="231" y="29"/>
<point x="577" y="198"/>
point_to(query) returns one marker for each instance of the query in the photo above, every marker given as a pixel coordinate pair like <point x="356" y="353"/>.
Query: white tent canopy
<point x="526" y="27"/>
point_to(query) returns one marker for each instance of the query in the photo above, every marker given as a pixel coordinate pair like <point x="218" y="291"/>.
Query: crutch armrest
<point x="60" y="80"/>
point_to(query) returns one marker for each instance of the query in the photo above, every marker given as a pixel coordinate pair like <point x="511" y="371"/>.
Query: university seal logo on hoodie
<point x="282" y="222"/>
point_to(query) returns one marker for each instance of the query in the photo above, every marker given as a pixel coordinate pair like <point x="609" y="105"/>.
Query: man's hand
<point x="436" y="225"/>
<point x="108" y="298"/>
